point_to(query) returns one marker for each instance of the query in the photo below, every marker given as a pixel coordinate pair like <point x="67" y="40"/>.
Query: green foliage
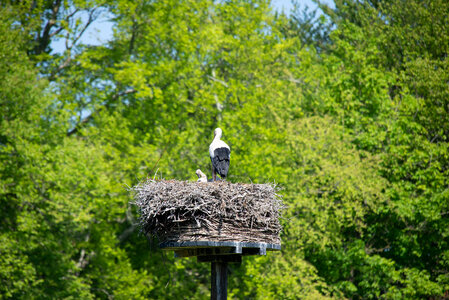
<point x="395" y="114"/>
<point x="349" y="117"/>
<point x="19" y="97"/>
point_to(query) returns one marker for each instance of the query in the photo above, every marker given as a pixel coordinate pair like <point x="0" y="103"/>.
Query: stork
<point x="201" y="176"/>
<point x="220" y="155"/>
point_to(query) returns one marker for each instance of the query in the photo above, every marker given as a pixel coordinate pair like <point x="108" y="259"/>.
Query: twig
<point x="221" y="211"/>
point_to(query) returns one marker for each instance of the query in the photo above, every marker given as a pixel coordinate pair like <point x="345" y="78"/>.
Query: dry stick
<point x="180" y="210"/>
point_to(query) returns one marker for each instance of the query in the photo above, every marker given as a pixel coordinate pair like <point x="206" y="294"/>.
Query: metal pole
<point x="219" y="281"/>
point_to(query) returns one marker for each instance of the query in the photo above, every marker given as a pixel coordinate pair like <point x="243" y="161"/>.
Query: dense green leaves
<point x="348" y="112"/>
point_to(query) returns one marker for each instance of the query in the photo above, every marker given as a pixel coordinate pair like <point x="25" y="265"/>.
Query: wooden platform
<point x="210" y="251"/>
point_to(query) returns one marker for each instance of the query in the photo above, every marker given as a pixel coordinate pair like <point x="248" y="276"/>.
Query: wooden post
<point x="219" y="281"/>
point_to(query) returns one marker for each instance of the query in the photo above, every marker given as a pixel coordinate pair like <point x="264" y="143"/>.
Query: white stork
<point x="220" y="155"/>
<point x="201" y="176"/>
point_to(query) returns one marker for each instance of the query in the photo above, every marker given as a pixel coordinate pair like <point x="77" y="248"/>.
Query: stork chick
<point x="201" y="176"/>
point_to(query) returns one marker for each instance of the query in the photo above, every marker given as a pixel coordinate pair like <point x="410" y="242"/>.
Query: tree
<point x="376" y="87"/>
<point x="57" y="238"/>
<point x="349" y="120"/>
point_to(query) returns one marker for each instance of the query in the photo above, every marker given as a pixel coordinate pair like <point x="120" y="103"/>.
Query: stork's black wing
<point x="221" y="161"/>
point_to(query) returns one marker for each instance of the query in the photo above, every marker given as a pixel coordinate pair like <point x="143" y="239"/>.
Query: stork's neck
<point x="217" y="137"/>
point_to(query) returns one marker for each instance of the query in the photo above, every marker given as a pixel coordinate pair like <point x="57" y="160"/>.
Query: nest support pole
<point x="219" y="281"/>
<point x="219" y="273"/>
<point x="219" y="222"/>
<point x="219" y="255"/>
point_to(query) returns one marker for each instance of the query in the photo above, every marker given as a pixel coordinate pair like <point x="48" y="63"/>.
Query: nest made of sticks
<point x="217" y="211"/>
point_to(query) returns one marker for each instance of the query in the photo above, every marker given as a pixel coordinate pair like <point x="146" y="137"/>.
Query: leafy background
<point x="346" y="109"/>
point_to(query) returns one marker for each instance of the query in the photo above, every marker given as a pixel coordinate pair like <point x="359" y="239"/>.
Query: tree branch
<point x="44" y="39"/>
<point x="91" y="116"/>
<point x="128" y="231"/>
<point x="90" y="20"/>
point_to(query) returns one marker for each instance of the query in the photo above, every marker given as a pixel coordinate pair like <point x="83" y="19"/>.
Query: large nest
<point x="220" y="211"/>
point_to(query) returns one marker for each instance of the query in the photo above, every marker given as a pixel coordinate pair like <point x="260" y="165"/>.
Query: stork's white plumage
<point x="220" y="155"/>
<point x="201" y="176"/>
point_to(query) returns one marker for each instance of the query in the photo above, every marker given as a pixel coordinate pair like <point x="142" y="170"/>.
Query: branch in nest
<point x="221" y="211"/>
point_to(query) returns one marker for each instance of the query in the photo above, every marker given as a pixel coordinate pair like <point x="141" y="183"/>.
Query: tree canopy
<point x="346" y="109"/>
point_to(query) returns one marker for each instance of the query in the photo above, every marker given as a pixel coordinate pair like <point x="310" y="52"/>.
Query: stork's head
<point x="199" y="173"/>
<point x="218" y="132"/>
